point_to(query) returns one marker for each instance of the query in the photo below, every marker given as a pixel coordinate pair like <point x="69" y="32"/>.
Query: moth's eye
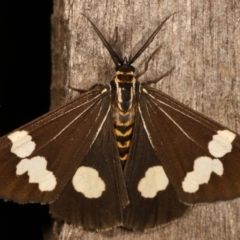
<point x="125" y="78"/>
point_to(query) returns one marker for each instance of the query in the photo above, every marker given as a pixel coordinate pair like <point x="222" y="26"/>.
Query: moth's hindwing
<point x="40" y="158"/>
<point x="153" y="200"/>
<point x="96" y="195"/>
<point x="200" y="157"/>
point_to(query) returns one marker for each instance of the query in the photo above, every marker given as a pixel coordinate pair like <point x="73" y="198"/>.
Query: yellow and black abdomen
<point x="123" y="108"/>
<point x="123" y="129"/>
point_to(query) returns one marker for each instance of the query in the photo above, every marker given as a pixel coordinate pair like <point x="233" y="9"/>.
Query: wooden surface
<point x="202" y="40"/>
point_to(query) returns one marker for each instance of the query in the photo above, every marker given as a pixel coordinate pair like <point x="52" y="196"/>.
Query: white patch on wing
<point x="23" y="146"/>
<point x="144" y="90"/>
<point x="202" y="169"/>
<point x="87" y="181"/>
<point x="221" y="143"/>
<point x="155" y="180"/>
<point x="104" y="90"/>
<point x="36" y="168"/>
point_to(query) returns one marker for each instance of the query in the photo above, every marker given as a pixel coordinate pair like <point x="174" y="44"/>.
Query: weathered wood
<point x="201" y="40"/>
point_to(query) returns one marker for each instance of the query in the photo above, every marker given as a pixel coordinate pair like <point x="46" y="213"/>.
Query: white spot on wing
<point x="37" y="172"/>
<point x="144" y="90"/>
<point x="203" y="167"/>
<point x="155" y="180"/>
<point x="104" y="90"/>
<point x="87" y="181"/>
<point x="221" y="143"/>
<point x="22" y="144"/>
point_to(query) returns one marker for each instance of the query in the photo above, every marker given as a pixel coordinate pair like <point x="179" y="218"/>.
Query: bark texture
<point x="202" y="40"/>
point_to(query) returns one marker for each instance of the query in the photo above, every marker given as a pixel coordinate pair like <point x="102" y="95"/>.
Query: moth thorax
<point x="125" y="93"/>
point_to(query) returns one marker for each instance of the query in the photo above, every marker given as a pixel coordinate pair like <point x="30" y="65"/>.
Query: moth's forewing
<point x="38" y="159"/>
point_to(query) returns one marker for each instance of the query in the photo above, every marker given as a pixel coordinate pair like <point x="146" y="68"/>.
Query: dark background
<point x="25" y="71"/>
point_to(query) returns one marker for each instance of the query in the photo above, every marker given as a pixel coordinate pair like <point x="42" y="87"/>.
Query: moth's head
<point x="124" y="66"/>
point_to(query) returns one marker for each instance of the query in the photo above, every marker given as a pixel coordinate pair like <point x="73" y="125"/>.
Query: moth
<point x="122" y="154"/>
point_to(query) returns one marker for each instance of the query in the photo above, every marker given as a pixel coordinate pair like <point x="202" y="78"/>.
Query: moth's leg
<point x="84" y="90"/>
<point x="146" y="63"/>
<point x="161" y="77"/>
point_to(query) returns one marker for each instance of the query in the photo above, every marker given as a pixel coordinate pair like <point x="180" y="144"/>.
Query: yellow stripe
<point x="126" y="144"/>
<point x="124" y="158"/>
<point x="120" y="81"/>
<point x="119" y="133"/>
<point x="126" y="73"/>
<point x="128" y="123"/>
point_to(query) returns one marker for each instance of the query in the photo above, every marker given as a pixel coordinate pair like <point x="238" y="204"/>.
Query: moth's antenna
<point x="117" y="59"/>
<point x="150" y="39"/>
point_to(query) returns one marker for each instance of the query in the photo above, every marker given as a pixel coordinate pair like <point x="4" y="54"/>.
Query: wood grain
<point x="202" y="40"/>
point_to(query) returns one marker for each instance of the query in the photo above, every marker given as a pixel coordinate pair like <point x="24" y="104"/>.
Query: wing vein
<point x="67" y="126"/>
<point x="151" y="101"/>
<point x="75" y="119"/>
<point x="174" y="122"/>
<point x="181" y="112"/>
<point x="70" y="110"/>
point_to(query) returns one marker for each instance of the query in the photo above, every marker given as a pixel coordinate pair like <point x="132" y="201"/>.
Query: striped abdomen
<point x="124" y="112"/>
<point x="123" y="129"/>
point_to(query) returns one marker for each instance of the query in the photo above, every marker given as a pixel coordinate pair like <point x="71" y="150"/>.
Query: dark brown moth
<point x="124" y="154"/>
